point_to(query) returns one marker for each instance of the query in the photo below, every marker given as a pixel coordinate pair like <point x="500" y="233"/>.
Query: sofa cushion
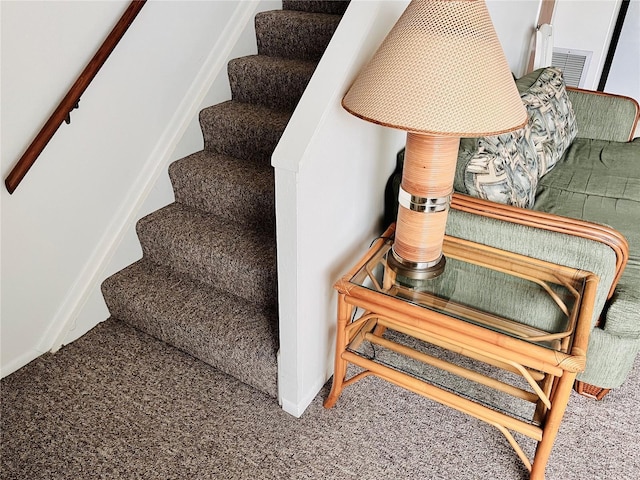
<point x="623" y="316"/>
<point x="524" y="83"/>
<point x="599" y="181"/>
<point x="604" y="117"/>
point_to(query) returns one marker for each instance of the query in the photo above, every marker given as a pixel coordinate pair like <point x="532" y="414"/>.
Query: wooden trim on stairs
<point x="72" y="98"/>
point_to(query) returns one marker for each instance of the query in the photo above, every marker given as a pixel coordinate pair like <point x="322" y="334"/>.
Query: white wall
<point x="586" y="25"/>
<point x="331" y="169"/>
<point x="624" y="75"/>
<point x="62" y="226"/>
<point x="515" y="23"/>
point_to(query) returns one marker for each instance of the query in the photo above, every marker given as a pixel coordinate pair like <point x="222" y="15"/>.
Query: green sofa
<point x="565" y="188"/>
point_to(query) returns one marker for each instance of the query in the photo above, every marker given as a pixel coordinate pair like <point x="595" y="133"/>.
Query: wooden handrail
<point x="71" y="99"/>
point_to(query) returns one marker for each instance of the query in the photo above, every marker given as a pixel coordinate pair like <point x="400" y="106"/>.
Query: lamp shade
<point x="441" y="71"/>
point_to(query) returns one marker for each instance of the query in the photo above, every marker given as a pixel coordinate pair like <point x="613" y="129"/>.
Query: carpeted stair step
<point x="243" y="130"/>
<point x="337" y="7"/>
<point x="215" y="326"/>
<point x="207" y="283"/>
<point x="294" y="34"/>
<point x="239" y="191"/>
<point x="212" y="250"/>
<point x="270" y="81"/>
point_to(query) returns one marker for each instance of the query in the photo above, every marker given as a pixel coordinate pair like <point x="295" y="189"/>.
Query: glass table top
<point x="520" y="297"/>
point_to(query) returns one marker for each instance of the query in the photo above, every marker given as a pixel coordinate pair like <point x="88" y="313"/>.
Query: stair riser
<point x="211" y="326"/>
<point x="234" y="129"/>
<point x="272" y="85"/>
<point x="213" y="184"/>
<point x="293" y="34"/>
<point x="189" y="245"/>
<point x="332" y="6"/>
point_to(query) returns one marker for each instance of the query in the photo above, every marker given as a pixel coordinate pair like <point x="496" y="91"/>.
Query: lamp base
<point x="423" y="206"/>
<point x="415" y="270"/>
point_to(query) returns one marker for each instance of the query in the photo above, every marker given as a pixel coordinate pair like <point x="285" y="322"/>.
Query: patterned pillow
<point x="551" y="117"/>
<point x="506" y="168"/>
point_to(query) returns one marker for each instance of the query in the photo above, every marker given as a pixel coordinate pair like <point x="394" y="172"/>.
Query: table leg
<point x="340" y="367"/>
<point x="559" y="401"/>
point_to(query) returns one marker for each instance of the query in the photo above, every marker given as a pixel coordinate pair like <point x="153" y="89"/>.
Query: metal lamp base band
<point x="423" y="204"/>
<point x="416" y="270"/>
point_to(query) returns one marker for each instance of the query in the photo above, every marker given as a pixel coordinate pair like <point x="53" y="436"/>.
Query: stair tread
<point x="272" y="81"/>
<point x="215" y="326"/>
<point x="278" y="63"/>
<point x="294" y="33"/>
<point x="243" y="130"/>
<point x="330" y="6"/>
<point x="219" y="252"/>
<point x="232" y="188"/>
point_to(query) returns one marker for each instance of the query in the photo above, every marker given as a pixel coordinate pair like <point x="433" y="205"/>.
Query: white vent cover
<point x="573" y="63"/>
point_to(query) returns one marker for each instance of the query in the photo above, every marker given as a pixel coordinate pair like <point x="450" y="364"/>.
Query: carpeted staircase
<point x="207" y="282"/>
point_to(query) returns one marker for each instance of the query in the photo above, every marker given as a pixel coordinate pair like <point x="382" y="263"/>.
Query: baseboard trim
<point x="91" y="276"/>
<point x="297" y="408"/>
<point x="21" y="361"/>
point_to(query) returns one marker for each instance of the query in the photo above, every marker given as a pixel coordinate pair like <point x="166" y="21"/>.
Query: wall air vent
<point x="573" y="63"/>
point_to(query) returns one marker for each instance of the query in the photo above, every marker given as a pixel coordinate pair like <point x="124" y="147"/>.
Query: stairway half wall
<point x="330" y="170"/>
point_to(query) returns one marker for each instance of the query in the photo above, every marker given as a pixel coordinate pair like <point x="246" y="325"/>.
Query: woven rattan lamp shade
<point x="441" y="70"/>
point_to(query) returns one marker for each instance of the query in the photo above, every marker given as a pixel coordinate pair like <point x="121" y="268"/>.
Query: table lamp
<point x="440" y="74"/>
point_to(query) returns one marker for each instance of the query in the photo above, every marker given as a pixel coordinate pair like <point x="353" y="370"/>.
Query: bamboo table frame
<point x="547" y="361"/>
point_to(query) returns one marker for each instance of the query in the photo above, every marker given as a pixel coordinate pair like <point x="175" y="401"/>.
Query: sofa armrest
<point x="603" y="116"/>
<point x="622" y="317"/>
<point x="536" y="221"/>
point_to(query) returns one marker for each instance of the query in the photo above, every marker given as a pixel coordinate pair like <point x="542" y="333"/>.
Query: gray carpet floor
<point x="119" y="404"/>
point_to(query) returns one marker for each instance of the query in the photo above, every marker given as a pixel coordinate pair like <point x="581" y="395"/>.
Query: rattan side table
<point x="498" y="336"/>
